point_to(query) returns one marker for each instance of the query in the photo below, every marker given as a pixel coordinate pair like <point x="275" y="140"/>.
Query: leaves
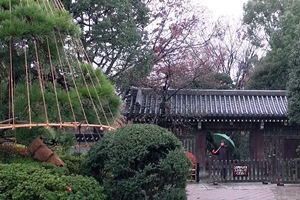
<point x="113" y="35"/>
<point x="36" y="181"/>
<point x="34" y="19"/>
<point x="139" y="161"/>
<point x="280" y="21"/>
<point x="88" y="95"/>
<point x="262" y="18"/>
<point x="280" y="67"/>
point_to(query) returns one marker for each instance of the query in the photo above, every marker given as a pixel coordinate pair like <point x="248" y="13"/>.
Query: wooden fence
<point x="194" y="173"/>
<point x="271" y="169"/>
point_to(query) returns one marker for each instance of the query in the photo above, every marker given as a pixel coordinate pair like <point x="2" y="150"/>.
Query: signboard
<point x="240" y="170"/>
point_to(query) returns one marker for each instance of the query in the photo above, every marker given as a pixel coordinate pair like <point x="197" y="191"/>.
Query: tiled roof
<point x="143" y="102"/>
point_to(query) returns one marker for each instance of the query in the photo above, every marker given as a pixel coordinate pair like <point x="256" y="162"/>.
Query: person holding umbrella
<point x="223" y="154"/>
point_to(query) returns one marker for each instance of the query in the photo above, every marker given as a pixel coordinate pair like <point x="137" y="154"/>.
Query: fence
<point x="271" y="169"/>
<point x="194" y="173"/>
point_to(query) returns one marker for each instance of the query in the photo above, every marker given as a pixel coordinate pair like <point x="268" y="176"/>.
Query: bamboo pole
<point x="73" y="125"/>
<point x="7" y="120"/>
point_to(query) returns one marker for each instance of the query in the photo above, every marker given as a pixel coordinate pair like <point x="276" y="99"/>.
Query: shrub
<point x="42" y="181"/>
<point x="139" y="162"/>
<point x="8" y="152"/>
<point x="73" y="163"/>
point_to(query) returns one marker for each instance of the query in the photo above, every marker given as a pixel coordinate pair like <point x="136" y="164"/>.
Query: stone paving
<point x="242" y="191"/>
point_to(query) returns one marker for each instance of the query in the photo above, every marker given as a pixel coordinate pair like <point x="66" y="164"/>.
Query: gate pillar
<point x="257" y="145"/>
<point x="201" y="150"/>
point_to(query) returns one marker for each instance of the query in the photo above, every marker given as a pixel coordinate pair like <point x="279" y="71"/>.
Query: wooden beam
<point x="46" y="125"/>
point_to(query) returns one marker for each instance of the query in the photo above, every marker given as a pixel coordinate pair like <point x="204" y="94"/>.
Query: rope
<point x="64" y="79"/>
<point x="79" y="66"/>
<point x="11" y="85"/>
<point x="98" y="81"/>
<point x="73" y="80"/>
<point x="56" y="5"/>
<point x="90" y="96"/>
<point x="54" y="83"/>
<point x="41" y="73"/>
<point x="86" y="85"/>
<point x="38" y="3"/>
<point x="59" y="4"/>
<point x="40" y="81"/>
<point x="48" y="6"/>
<point x="11" y="96"/>
<point x="27" y="85"/>
<point x="70" y="102"/>
<point x="81" y="50"/>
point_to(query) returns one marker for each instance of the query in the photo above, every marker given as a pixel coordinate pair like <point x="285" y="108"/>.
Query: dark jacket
<point x="223" y="153"/>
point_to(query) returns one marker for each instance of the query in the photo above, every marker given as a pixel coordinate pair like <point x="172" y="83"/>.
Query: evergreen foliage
<point x="268" y="75"/>
<point x="294" y="86"/>
<point x="33" y="32"/>
<point x="262" y="17"/>
<point x="73" y="163"/>
<point x="264" y="20"/>
<point x="139" y="162"/>
<point x="38" y="181"/>
<point x="31" y="18"/>
<point x="114" y="36"/>
<point x="279" y="21"/>
<point x="104" y="91"/>
<point x="212" y="80"/>
<point x="22" y="177"/>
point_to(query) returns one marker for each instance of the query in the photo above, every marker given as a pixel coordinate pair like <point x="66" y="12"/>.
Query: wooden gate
<point x="272" y="170"/>
<point x="187" y="137"/>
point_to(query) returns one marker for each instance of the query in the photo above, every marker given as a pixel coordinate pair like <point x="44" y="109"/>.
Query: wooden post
<point x="197" y="173"/>
<point x="210" y="167"/>
<point x="273" y="165"/>
<point x="201" y="150"/>
<point x="257" y="145"/>
<point x="269" y="168"/>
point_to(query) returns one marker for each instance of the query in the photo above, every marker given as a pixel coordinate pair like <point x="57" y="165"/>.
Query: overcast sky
<point x="219" y="8"/>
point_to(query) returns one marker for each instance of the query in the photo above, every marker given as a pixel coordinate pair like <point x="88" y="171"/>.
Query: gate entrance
<point x="192" y="114"/>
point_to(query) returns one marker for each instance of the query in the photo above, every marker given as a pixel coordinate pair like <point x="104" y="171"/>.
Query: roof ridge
<point x="222" y="92"/>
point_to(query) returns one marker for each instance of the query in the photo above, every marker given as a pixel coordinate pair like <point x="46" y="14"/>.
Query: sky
<point x="219" y="8"/>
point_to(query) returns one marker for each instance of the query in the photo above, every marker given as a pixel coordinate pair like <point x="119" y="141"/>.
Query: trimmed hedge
<point x="139" y="162"/>
<point x="73" y="163"/>
<point x="44" y="182"/>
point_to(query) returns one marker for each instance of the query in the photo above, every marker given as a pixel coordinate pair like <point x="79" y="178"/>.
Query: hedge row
<point x="41" y="181"/>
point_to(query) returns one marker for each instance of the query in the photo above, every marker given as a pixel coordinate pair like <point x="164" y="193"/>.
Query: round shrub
<point x="45" y="182"/>
<point x="139" y="162"/>
<point x="73" y="163"/>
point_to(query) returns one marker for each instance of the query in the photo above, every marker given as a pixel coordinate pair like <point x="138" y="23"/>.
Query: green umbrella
<point x="220" y="136"/>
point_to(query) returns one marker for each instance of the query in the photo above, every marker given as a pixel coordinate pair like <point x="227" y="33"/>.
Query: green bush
<point x="6" y="154"/>
<point x="73" y="163"/>
<point x="139" y="162"/>
<point x="42" y="181"/>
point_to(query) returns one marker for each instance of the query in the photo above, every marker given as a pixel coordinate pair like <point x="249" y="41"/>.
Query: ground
<point x="242" y="191"/>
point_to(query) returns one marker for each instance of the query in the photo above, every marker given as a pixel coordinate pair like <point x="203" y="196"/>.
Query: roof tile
<point x="209" y="103"/>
